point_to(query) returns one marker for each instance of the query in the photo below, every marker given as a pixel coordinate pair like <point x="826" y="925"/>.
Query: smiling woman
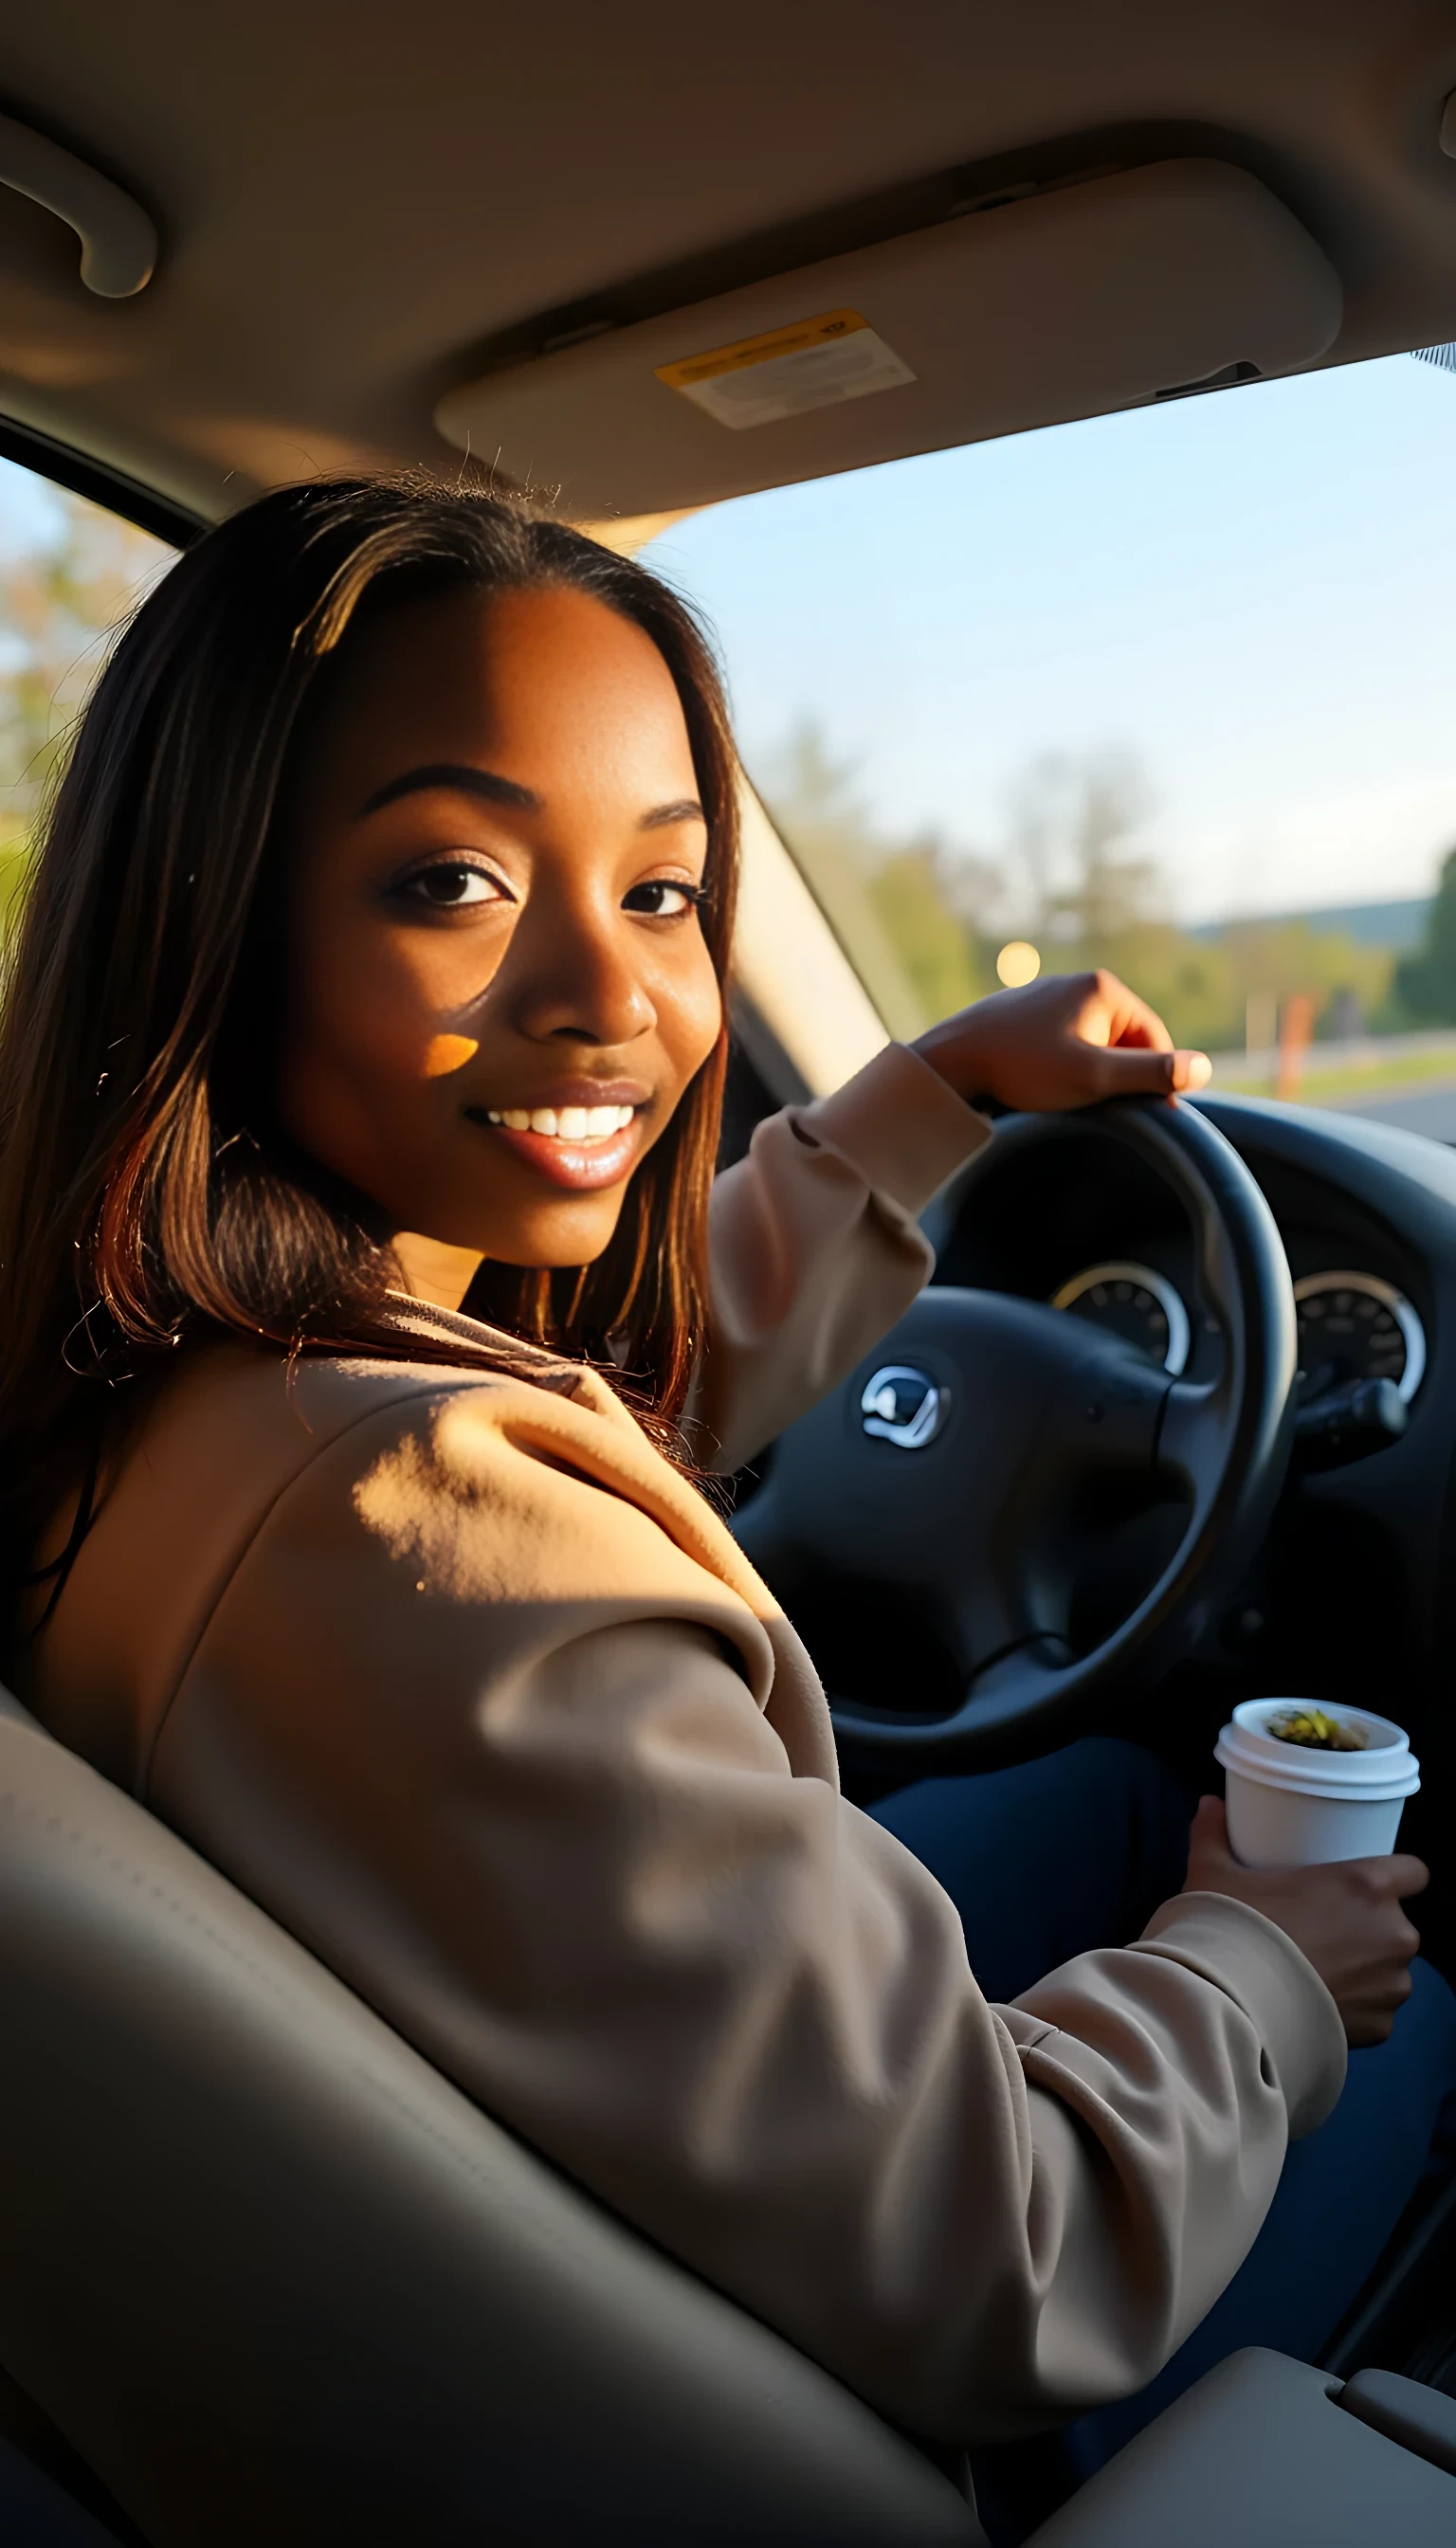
<point x="359" y="1082"/>
<point x="548" y="897"/>
<point x="293" y="905"/>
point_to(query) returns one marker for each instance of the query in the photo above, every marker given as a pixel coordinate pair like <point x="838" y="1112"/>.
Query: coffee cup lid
<point x="1384" y="1767"/>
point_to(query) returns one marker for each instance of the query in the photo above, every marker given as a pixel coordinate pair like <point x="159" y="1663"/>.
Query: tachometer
<point x="1133" y="1303"/>
<point x="1357" y="1327"/>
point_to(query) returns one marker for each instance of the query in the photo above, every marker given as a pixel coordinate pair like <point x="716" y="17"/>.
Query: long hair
<point x="146" y="1199"/>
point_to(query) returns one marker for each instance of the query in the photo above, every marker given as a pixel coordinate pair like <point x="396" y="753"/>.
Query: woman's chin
<point x="572" y="1231"/>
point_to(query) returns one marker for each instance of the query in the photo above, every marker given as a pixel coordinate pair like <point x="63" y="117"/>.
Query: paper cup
<point x="1291" y="1805"/>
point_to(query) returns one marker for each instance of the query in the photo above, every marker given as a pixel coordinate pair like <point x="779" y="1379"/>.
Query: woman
<point x="361" y="1067"/>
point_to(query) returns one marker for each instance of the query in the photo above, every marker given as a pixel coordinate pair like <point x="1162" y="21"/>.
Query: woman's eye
<point x="663" y="898"/>
<point x="452" y="886"/>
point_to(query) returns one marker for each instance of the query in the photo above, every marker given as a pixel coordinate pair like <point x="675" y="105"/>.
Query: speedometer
<point x="1357" y="1327"/>
<point x="1134" y="1303"/>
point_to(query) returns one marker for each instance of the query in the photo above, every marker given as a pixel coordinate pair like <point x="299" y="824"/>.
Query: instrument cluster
<point x="1352" y="1326"/>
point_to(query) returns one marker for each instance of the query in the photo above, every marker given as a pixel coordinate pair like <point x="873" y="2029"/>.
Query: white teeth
<point x="566" y="1123"/>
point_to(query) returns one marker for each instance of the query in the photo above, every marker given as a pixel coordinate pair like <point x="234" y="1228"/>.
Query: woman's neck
<point x="435" y="1271"/>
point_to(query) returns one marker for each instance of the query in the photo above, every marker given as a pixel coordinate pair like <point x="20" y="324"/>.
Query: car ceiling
<point x="362" y="207"/>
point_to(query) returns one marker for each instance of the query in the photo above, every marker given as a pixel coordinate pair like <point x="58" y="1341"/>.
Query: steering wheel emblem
<point x="903" y="1406"/>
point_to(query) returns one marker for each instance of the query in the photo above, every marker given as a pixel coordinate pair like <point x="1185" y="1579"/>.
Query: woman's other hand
<point x="1061" y="1042"/>
<point x="1347" y="1918"/>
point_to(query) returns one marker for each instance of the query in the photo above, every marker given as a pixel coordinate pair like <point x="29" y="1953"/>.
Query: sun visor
<point x="1105" y="294"/>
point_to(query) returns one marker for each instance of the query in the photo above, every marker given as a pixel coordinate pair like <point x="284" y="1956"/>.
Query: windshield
<point x="1172" y="691"/>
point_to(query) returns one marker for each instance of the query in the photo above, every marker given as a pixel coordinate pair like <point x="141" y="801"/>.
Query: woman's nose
<point x="576" y="974"/>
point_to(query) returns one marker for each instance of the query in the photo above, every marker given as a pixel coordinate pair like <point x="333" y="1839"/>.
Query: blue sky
<point x="1251" y="593"/>
<point x="28" y="511"/>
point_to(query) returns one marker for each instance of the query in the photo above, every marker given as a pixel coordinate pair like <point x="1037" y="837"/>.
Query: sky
<point x="28" y="511"/>
<point x="1249" y="591"/>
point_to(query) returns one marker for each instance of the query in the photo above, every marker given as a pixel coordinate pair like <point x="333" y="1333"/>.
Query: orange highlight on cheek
<point x="445" y="1052"/>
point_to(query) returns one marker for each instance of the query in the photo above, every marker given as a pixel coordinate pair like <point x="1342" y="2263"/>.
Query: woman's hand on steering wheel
<point x="1061" y="1042"/>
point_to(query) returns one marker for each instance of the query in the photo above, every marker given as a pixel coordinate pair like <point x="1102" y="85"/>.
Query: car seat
<point x="268" y="2275"/>
<point x="272" y="2276"/>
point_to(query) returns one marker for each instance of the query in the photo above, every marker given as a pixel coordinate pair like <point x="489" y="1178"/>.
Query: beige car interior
<point x="264" y="2274"/>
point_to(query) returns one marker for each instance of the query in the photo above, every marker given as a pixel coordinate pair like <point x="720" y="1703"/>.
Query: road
<point x="1432" y="1111"/>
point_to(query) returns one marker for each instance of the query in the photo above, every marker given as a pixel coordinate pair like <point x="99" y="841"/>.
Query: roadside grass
<point x="1350" y="1079"/>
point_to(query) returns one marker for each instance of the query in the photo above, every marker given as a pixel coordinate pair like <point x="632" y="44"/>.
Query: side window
<point x="70" y="575"/>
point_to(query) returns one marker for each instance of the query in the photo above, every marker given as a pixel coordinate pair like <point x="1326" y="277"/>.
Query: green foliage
<point x="59" y="600"/>
<point x="940" y="954"/>
<point x="1426" y="983"/>
<point x="1188" y="981"/>
<point x="15" y="863"/>
<point x="1203" y="988"/>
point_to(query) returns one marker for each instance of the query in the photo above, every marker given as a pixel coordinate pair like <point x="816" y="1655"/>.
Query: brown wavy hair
<point x="146" y="1197"/>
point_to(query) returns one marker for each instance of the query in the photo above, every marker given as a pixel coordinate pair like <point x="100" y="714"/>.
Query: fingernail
<point x="1193" y="1070"/>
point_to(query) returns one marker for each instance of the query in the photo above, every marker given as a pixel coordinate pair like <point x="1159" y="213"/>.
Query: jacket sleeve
<point x="496" y="1746"/>
<point x="814" y="1245"/>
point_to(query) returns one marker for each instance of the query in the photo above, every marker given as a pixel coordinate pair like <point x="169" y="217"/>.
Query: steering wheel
<point x="965" y="1466"/>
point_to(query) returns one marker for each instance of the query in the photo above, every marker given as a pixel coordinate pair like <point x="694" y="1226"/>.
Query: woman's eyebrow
<point x="684" y="809"/>
<point x="464" y="779"/>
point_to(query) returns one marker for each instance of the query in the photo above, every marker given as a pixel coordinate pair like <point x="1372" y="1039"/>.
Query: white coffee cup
<point x="1292" y="1804"/>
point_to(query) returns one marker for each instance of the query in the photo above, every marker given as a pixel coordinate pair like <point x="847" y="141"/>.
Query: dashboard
<point x="1354" y="1594"/>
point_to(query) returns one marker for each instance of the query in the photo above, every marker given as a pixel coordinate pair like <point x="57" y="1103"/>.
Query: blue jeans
<point x="1076" y="1850"/>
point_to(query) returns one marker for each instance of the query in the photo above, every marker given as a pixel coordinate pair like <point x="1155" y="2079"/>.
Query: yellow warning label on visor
<point x="817" y="362"/>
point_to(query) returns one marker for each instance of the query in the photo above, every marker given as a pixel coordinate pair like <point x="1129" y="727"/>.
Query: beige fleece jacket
<point x="457" y="1677"/>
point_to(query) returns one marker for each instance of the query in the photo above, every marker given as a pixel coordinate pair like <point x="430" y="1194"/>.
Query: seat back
<point x="275" y="2278"/>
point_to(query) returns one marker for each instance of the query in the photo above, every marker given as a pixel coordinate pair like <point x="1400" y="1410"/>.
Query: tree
<point x="939" y="954"/>
<point x="1073" y="823"/>
<point x="60" y="599"/>
<point x="1425" y="982"/>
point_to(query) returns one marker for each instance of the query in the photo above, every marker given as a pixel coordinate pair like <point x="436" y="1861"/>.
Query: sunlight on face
<point x="500" y="987"/>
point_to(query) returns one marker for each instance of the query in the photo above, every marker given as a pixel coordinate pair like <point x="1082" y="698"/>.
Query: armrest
<point x="1421" y="2420"/>
<point x="1259" y="2453"/>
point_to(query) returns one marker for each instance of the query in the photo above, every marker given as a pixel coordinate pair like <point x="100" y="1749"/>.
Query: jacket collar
<point x="401" y="1317"/>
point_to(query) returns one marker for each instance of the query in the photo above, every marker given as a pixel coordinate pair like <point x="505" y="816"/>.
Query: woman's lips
<point x="591" y="1147"/>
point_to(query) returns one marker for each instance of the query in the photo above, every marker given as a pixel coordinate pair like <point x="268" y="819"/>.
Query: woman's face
<point x="500" y="987"/>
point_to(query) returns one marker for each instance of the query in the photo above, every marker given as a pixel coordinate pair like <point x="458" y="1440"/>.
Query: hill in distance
<point x="1392" y="926"/>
